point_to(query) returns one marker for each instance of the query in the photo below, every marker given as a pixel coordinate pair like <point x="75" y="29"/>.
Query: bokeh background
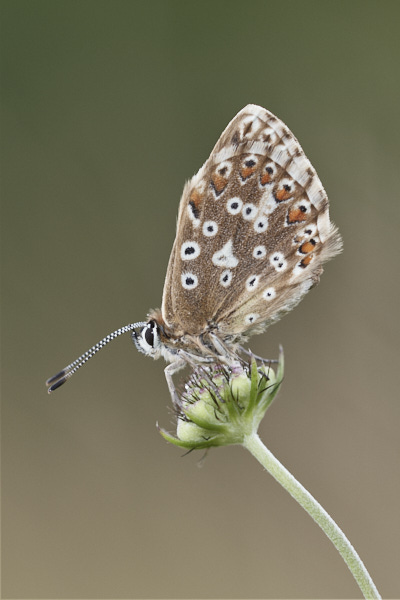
<point x="108" y="107"/>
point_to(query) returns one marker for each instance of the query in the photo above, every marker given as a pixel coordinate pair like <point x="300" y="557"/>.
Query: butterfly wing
<point x="253" y="231"/>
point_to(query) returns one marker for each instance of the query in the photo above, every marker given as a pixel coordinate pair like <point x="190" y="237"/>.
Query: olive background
<point x="107" y="108"/>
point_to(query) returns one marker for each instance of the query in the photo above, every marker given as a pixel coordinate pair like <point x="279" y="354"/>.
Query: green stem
<point x="253" y="443"/>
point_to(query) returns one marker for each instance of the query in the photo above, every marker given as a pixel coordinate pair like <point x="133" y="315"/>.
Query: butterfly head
<point x="148" y="340"/>
<point x="154" y="338"/>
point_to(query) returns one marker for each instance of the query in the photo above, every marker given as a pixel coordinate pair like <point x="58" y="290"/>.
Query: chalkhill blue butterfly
<point x="253" y="232"/>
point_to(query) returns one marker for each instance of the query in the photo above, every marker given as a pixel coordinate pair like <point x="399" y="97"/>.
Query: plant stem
<point x="253" y="443"/>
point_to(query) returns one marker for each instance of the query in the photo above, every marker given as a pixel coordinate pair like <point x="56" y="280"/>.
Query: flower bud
<point x="222" y="404"/>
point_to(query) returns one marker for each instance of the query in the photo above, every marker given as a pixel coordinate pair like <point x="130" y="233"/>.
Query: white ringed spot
<point x="189" y="281"/>
<point x="269" y="294"/>
<point x="249" y="211"/>
<point x="251" y="318"/>
<point x="190" y="250"/>
<point x="224" y="169"/>
<point x="234" y="206"/>
<point x="261" y="224"/>
<point x="259" y="252"/>
<point x="210" y="228"/>
<point x="226" y="278"/>
<point x="278" y="261"/>
<point x="252" y="282"/>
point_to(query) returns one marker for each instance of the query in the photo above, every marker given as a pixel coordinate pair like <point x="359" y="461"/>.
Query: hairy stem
<point x="253" y="443"/>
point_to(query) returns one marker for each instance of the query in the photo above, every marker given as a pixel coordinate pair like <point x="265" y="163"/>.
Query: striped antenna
<point x="57" y="380"/>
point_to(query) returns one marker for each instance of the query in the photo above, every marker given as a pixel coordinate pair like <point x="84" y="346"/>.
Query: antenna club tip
<point x="56" y="377"/>
<point x="57" y="384"/>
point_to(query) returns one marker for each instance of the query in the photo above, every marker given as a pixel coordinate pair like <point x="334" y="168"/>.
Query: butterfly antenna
<point x="57" y="380"/>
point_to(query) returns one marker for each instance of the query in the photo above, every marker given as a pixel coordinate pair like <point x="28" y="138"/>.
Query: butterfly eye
<point x="148" y="340"/>
<point x="149" y="331"/>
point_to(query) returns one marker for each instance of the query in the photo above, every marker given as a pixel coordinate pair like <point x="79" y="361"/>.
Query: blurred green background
<point x="108" y="107"/>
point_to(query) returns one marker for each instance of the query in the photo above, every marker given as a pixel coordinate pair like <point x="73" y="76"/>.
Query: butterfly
<point x="252" y="235"/>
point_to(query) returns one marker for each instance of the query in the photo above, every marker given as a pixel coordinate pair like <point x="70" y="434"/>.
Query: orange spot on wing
<point x="295" y="215"/>
<point x="283" y="194"/>
<point x="219" y="183"/>
<point x="196" y="198"/>
<point x="306" y="260"/>
<point x="247" y="171"/>
<point x="307" y="247"/>
<point x="265" y="178"/>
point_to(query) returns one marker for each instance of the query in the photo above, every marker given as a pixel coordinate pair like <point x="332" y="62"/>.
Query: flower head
<point x="221" y="405"/>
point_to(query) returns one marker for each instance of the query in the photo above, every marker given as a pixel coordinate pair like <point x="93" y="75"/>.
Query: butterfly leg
<point x="169" y="371"/>
<point x="225" y="354"/>
<point x="263" y="360"/>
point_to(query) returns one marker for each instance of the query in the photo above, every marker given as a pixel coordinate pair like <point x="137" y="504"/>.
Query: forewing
<point x="253" y="231"/>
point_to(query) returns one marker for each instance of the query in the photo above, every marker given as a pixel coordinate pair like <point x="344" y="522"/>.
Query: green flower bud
<point x="221" y="405"/>
<point x="240" y="385"/>
<point x="187" y="431"/>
